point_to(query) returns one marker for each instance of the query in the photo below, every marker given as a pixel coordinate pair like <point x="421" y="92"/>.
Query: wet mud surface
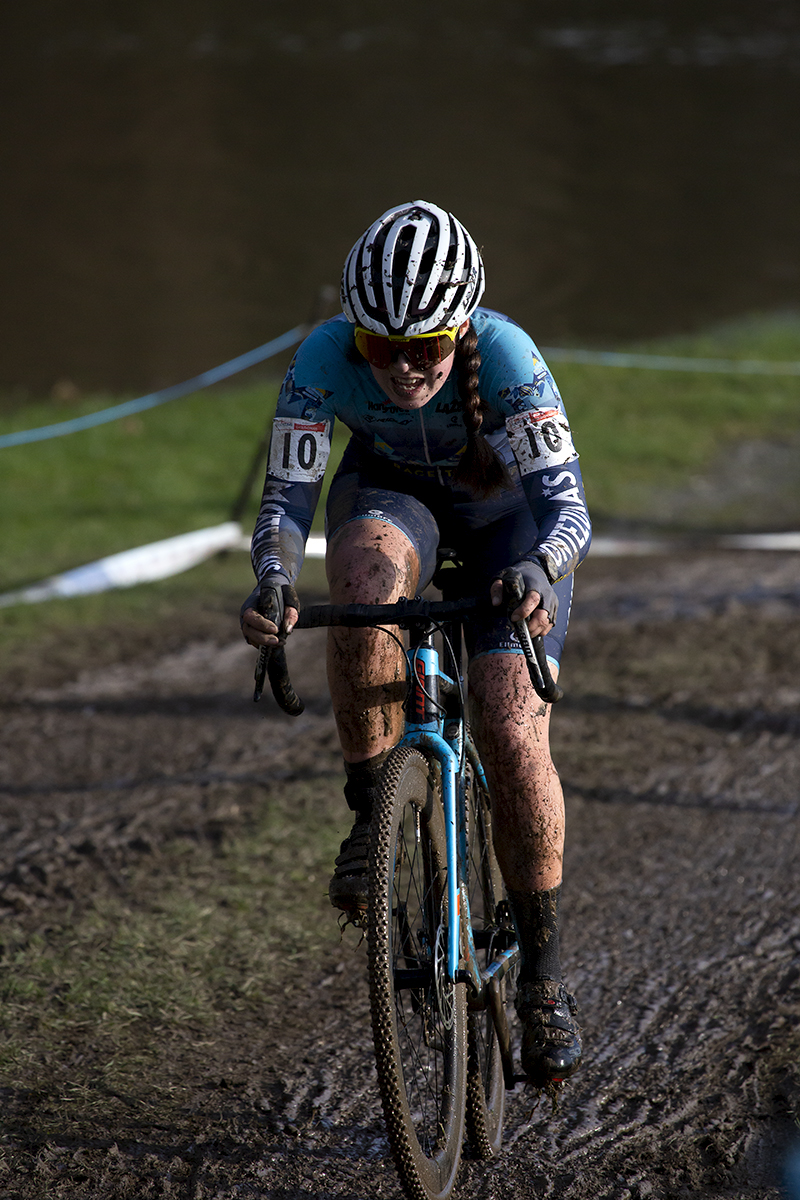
<point x="678" y="745"/>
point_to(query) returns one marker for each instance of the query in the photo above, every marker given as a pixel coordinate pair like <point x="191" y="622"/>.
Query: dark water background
<point x="178" y="179"/>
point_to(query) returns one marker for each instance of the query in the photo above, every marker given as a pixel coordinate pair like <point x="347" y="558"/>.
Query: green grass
<point x="202" y="935"/>
<point x="640" y="430"/>
<point x="72" y="499"/>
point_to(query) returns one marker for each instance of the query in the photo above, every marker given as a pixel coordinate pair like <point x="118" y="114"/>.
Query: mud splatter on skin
<point x="371" y="563"/>
<point x="512" y="733"/>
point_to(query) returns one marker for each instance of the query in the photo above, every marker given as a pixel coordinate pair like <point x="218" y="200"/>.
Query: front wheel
<point x="418" y="1014"/>
<point x="486" y="1089"/>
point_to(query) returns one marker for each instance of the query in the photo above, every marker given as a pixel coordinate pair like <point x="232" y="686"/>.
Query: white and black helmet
<point x="414" y="271"/>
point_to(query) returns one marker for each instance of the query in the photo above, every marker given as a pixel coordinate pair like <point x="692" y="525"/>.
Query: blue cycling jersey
<point x="524" y="420"/>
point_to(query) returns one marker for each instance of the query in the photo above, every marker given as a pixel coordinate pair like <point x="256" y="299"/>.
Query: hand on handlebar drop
<point x="272" y="607"/>
<point x="528" y="609"/>
<point x="260" y="631"/>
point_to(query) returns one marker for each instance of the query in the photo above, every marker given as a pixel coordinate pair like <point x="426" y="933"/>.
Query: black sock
<point x="536" y="921"/>
<point x="363" y="784"/>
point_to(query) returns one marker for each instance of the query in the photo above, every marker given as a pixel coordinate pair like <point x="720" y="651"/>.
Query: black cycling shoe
<point x="349" y="888"/>
<point x="551" y="1039"/>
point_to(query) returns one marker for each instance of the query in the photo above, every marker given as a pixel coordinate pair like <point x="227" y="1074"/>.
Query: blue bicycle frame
<point x="447" y="740"/>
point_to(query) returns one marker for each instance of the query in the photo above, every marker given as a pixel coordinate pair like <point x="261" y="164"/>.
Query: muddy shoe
<point x="551" y="1040"/>
<point x="349" y="888"/>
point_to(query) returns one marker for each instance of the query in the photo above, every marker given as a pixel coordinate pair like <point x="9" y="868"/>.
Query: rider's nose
<point x="401" y="364"/>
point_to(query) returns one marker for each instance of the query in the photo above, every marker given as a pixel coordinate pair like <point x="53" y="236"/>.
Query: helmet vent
<point x="414" y="271"/>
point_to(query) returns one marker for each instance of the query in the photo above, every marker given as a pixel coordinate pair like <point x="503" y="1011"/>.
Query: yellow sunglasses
<point x="424" y="350"/>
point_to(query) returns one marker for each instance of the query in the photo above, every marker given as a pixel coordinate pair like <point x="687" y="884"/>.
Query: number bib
<point x="540" y="438"/>
<point x="299" y="450"/>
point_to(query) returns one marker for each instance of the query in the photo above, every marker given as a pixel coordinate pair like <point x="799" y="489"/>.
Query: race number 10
<point x="540" y="438"/>
<point x="299" y="450"/>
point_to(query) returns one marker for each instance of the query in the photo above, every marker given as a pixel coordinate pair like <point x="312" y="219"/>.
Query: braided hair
<point x="480" y="468"/>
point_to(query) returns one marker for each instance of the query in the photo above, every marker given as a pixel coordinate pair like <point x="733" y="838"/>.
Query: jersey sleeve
<point x="541" y="441"/>
<point x="519" y="386"/>
<point x="299" y="449"/>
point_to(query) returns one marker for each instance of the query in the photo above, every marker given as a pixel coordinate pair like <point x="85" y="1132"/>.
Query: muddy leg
<point x="511" y="728"/>
<point x="368" y="562"/>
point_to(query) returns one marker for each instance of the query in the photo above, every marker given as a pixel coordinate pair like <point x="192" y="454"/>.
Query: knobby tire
<point x="419" y="1019"/>
<point x="486" y="1089"/>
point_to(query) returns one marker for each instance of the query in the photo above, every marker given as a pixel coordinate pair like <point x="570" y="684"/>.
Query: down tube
<point x="449" y="763"/>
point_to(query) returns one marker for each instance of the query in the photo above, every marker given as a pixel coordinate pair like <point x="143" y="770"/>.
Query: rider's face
<point x="411" y="387"/>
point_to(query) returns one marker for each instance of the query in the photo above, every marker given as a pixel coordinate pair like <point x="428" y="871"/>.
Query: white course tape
<point x="159" y="560"/>
<point x="761" y="541"/>
<point x="611" y="547"/>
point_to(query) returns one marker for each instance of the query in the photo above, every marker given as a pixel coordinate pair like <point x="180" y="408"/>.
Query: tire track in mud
<point x="681" y="913"/>
<point x="105" y="765"/>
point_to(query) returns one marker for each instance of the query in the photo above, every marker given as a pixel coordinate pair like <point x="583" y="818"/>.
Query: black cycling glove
<point x="271" y="598"/>
<point x="528" y="575"/>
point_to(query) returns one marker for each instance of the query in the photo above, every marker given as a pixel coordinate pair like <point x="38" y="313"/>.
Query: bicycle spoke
<point x="419" y="1021"/>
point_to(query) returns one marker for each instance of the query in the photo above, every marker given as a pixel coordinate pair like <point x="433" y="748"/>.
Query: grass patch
<point x="70" y="500"/>
<point x="640" y="431"/>
<point x="204" y="937"/>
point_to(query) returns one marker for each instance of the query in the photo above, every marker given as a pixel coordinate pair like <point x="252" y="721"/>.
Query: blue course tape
<point x="155" y="398"/>
<point x="605" y="358"/>
<point x="669" y="362"/>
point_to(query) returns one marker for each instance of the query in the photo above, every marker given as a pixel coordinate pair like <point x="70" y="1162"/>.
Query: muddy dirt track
<point x="679" y="749"/>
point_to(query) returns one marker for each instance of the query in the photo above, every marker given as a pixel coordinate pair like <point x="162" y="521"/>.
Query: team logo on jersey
<point x="383" y="448"/>
<point x="287" y="387"/>
<point x="540" y="439"/>
<point x="520" y="395"/>
<point x="453" y="407"/>
<point x="299" y="449"/>
<point x="309" y="397"/>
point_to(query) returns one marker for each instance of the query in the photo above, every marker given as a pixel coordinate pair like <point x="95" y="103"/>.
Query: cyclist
<point x="458" y="438"/>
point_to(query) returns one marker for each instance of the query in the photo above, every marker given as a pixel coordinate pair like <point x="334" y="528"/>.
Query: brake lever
<point x="269" y="608"/>
<point x="544" y="685"/>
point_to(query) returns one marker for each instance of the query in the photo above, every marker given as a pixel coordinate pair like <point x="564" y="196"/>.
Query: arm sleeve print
<point x="542" y="444"/>
<point x="524" y="391"/>
<point x="298" y="454"/>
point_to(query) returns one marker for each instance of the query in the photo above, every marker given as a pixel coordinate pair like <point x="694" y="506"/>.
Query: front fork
<point x="457" y="902"/>
<point x="445" y="740"/>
